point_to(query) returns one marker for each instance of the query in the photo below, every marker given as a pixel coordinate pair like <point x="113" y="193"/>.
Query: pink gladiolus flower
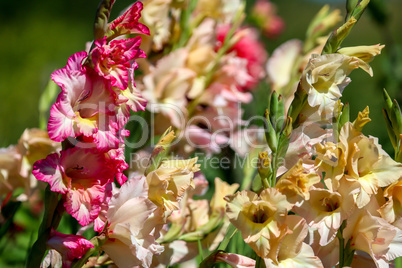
<point x="80" y="174"/>
<point x="84" y="107"/>
<point x="71" y="247"/>
<point x="203" y="139"/>
<point x="128" y="22"/>
<point x="89" y="107"/>
<point x="264" y="13"/>
<point x="247" y="47"/>
<point x="112" y="60"/>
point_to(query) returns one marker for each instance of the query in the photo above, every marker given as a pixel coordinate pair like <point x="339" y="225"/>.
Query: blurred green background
<point x="39" y="36"/>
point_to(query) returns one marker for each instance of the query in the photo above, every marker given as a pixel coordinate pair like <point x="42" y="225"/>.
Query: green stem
<point x="339" y="234"/>
<point x="232" y="230"/>
<point x="274" y="167"/>
<point x="259" y="262"/>
<point x="209" y="261"/>
<point x="51" y="219"/>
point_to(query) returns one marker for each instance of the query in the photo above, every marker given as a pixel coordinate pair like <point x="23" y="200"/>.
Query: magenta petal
<point x="75" y="61"/>
<point x="50" y="171"/>
<point x="72" y="68"/>
<point x="71" y="247"/>
<point x="128" y="22"/>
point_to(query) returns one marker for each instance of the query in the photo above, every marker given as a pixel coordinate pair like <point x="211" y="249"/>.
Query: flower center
<point x="330" y="204"/>
<point x="259" y="212"/>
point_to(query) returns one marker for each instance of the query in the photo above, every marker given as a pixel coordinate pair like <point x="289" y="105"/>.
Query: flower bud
<point x="160" y="150"/>
<point x="270" y="134"/>
<point x="288" y="127"/>
<point x="264" y="165"/>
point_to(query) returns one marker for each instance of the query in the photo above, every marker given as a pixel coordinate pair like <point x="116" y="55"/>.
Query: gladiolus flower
<point x="248" y="48"/>
<point x="84" y="107"/>
<point x="331" y="161"/>
<point x="80" y="174"/>
<point x="259" y="218"/>
<point x="391" y="211"/>
<point x="375" y="236"/>
<point x="70" y="247"/>
<point x="325" y="77"/>
<point x="168" y="183"/>
<point x="128" y="23"/>
<point x="367" y="164"/>
<point x="291" y="251"/>
<point x="296" y="183"/>
<point x="326" y="210"/>
<point x="365" y="54"/>
<point x="112" y="60"/>
<point x="132" y="226"/>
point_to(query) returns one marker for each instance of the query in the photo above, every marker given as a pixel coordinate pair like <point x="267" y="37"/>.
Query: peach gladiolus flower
<point x="296" y="183"/>
<point x="169" y="182"/>
<point x="367" y="164"/>
<point x="260" y="218"/>
<point x="375" y="236"/>
<point x="326" y="210"/>
<point x="391" y="211"/>
<point x="291" y="251"/>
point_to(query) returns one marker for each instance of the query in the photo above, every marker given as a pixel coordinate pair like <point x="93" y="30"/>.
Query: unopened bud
<point x="264" y="165"/>
<point x="270" y="134"/>
<point x="287" y="131"/>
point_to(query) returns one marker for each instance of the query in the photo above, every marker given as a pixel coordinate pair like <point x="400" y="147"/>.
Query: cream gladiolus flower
<point x="133" y="224"/>
<point x="326" y="210"/>
<point x="169" y="182"/>
<point x="260" y="218"/>
<point x="375" y="236"/>
<point x="325" y="77"/>
<point x="367" y="164"/>
<point x="197" y="219"/>
<point x="222" y="10"/>
<point x="156" y="16"/>
<point x="296" y="183"/>
<point x="391" y="211"/>
<point x="291" y="251"/>
<point x="330" y="163"/>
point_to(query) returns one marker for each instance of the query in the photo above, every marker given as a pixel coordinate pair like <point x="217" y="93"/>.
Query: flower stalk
<point x="53" y="212"/>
